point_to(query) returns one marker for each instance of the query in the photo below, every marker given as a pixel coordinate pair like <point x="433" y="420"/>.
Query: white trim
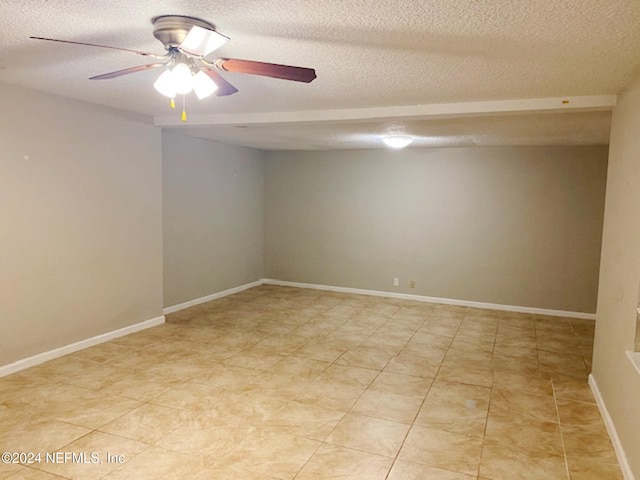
<point x="74" y="347"/>
<point x="588" y="103"/>
<point x="213" y="296"/>
<point x="422" y="298"/>
<point x="635" y="359"/>
<point x="611" y="429"/>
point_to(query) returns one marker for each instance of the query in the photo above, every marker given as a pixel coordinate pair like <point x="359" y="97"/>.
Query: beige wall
<point x="513" y="225"/>
<point x="80" y="222"/>
<point x="213" y="217"/>
<point x="619" y="383"/>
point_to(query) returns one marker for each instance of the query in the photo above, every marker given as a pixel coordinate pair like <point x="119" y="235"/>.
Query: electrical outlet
<point x="396" y="282"/>
<point x="412" y="284"/>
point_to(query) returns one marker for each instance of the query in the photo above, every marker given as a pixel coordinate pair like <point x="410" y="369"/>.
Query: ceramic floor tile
<point x="500" y="462"/>
<point x="372" y="435"/>
<point x="272" y="452"/>
<point x="101" y="444"/>
<point x="522" y="383"/>
<point x="399" y="384"/>
<point x="12" y="469"/>
<point x="586" y="469"/>
<point x="590" y="442"/>
<point x="159" y="464"/>
<point x="572" y="389"/>
<point x="403" y="470"/>
<point x="205" y="436"/>
<point x="388" y="406"/>
<point x="300" y="367"/>
<point x="455" y="408"/>
<point x="190" y="396"/>
<point x="466" y="372"/>
<point x="351" y="376"/>
<point x="526" y="434"/>
<point x="522" y="405"/>
<point x="39" y="434"/>
<point x="578" y="413"/>
<point x="222" y="472"/>
<point x="416" y="365"/>
<point x="32" y="474"/>
<point x="305" y="420"/>
<point x="140" y="386"/>
<point x="269" y="384"/>
<point x="148" y="423"/>
<point x="445" y="450"/>
<point x="338" y="463"/>
<point x="320" y="351"/>
<point x="365" y="357"/>
<point x="247" y="359"/>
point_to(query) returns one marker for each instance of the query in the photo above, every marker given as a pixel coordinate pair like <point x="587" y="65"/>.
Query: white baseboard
<point x="213" y="296"/>
<point x="611" y="429"/>
<point x="74" y="347"/>
<point x="422" y="298"/>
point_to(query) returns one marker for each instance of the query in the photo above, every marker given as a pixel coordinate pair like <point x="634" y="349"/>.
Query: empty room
<point x="320" y="240"/>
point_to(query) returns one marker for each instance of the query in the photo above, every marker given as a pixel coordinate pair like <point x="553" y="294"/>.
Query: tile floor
<point x="283" y="383"/>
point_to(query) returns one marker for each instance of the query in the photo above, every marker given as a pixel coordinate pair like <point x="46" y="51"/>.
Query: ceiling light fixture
<point x="201" y="41"/>
<point x="397" y="141"/>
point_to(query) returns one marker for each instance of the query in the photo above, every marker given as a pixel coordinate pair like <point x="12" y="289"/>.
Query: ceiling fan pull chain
<point x="184" y="108"/>
<point x="172" y="103"/>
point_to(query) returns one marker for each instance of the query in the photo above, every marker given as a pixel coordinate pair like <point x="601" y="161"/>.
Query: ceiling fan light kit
<point x="397" y="141"/>
<point x="188" y="40"/>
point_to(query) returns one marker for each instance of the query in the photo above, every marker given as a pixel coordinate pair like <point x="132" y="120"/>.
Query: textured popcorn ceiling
<point x="366" y="54"/>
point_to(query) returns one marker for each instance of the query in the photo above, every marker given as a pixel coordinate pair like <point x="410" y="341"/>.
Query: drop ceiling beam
<point x="405" y="112"/>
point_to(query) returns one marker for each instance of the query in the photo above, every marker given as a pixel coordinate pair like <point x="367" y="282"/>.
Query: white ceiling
<point x="366" y="54"/>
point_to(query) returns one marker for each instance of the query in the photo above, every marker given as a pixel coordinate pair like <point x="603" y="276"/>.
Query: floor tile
<point x="445" y="450"/>
<point x="281" y="382"/>
<point x="338" y="463"/>
<point x="403" y="470"/>
<point x="455" y="407"/>
<point x="159" y="464"/>
<point x="401" y="384"/>
<point x="148" y="423"/>
<point x="572" y="412"/>
<point x="272" y="452"/>
<point x="526" y="434"/>
<point x="416" y="365"/>
<point x="466" y="372"/>
<point x="388" y="406"/>
<point x="368" y="434"/>
<point x="590" y="442"/>
<point x="102" y="444"/>
<point x="500" y="462"/>
<point x="536" y="407"/>
<point x="587" y="469"/>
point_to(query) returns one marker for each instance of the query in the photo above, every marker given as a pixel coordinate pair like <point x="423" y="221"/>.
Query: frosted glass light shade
<point x="397" y="141"/>
<point x="203" y="86"/>
<point x="201" y="41"/>
<point x="182" y="78"/>
<point x="165" y="84"/>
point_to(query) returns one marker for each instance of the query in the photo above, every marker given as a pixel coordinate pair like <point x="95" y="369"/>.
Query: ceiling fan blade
<point x="137" y="52"/>
<point x="224" y="87"/>
<point x="126" y="71"/>
<point x="285" y="72"/>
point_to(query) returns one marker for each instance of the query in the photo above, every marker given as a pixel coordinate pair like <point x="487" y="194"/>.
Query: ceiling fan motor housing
<point x="171" y="30"/>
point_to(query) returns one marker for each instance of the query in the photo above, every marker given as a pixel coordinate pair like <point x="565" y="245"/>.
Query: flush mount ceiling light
<point x="187" y="41"/>
<point x="397" y="141"/>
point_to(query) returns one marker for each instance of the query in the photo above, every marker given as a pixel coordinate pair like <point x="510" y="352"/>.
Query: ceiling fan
<point x="188" y="40"/>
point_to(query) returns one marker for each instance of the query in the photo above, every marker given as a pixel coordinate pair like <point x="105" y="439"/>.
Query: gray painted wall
<point x="80" y="222"/>
<point x="510" y="225"/>
<point x="213" y="217"/>
<point x="619" y="383"/>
